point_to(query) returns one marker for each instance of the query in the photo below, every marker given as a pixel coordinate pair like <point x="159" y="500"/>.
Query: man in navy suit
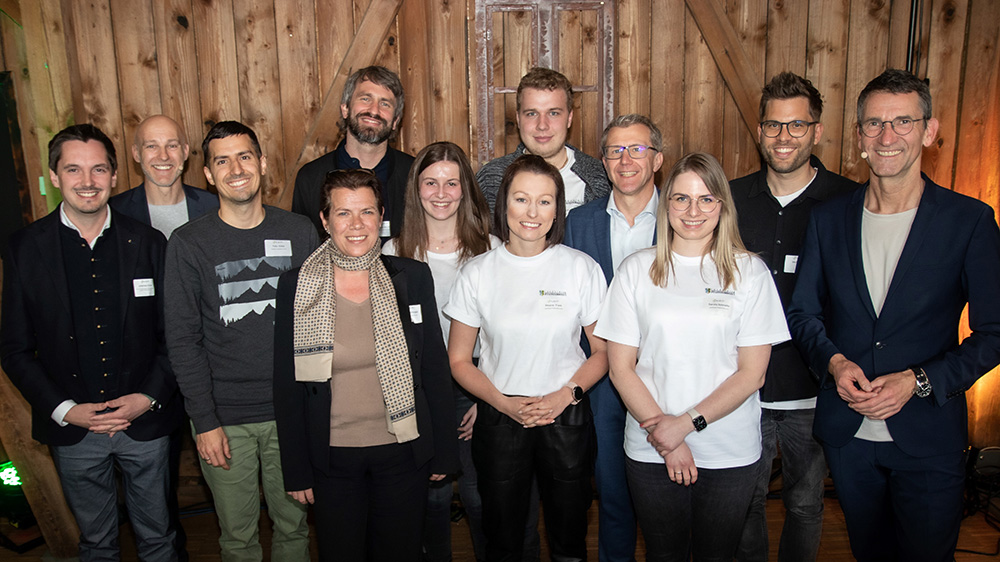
<point x="608" y="229"/>
<point x="163" y="200"/>
<point x="884" y="275"/>
<point x="82" y="338"/>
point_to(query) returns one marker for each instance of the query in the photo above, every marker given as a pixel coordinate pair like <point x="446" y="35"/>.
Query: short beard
<point x="366" y="135"/>
<point x="785" y="167"/>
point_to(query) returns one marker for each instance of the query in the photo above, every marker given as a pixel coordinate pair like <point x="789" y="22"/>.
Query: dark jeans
<point x="704" y="519"/>
<point x="616" y="519"/>
<point x="508" y="457"/>
<point x="803" y="469"/>
<point x="437" y="517"/>
<point x="370" y="507"/>
<point x="898" y="507"/>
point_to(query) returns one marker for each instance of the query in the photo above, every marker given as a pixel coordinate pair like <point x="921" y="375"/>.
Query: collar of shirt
<point x="627" y="239"/>
<point x="347" y="162"/>
<point x="64" y="218"/>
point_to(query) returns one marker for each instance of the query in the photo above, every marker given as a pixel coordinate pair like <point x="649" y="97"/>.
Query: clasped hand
<point x="879" y="399"/>
<point x="109" y="417"/>
<point x="536" y="411"/>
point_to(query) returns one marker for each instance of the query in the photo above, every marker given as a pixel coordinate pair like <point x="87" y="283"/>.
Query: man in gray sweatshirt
<point x="221" y="277"/>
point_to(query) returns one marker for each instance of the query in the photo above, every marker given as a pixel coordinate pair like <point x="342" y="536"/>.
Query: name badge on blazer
<point x="143" y="287"/>
<point x="416" y="316"/>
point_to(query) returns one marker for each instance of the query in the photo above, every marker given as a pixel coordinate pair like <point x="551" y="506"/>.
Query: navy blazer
<point x="134" y="204"/>
<point x="37" y="336"/>
<point x="302" y="409"/>
<point x="588" y="229"/>
<point x="951" y="256"/>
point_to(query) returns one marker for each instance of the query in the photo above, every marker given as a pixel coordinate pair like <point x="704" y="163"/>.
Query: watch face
<point x="577" y="393"/>
<point x="700" y="423"/>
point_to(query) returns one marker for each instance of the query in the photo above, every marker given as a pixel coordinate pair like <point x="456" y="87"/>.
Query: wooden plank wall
<point x="270" y="63"/>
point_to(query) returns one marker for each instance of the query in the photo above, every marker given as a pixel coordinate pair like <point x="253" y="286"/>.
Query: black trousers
<point x="371" y="505"/>
<point x="507" y="458"/>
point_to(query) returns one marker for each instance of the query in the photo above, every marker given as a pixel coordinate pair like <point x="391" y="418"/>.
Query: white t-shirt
<point x="529" y="312"/>
<point x="688" y="334"/>
<point x="444" y="270"/>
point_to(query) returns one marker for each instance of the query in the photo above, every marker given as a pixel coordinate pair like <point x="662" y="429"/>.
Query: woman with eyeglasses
<point x="362" y="387"/>
<point x="446" y="223"/>
<point x="690" y="324"/>
<point x="528" y="300"/>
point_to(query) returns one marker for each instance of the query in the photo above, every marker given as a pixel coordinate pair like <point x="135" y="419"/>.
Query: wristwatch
<point x="577" y="392"/>
<point x="697" y="419"/>
<point x="923" y="389"/>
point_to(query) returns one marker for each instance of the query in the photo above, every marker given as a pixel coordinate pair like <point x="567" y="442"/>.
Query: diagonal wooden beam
<point x="12" y="8"/>
<point x="362" y="52"/>
<point x="732" y="60"/>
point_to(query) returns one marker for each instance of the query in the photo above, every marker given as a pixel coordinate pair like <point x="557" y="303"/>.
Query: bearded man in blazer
<point x="884" y="275"/>
<point x="82" y="339"/>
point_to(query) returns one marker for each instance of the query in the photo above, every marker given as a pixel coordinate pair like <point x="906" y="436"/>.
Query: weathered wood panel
<point x="448" y="87"/>
<point x="177" y="65"/>
<point x="944" y="64"/>
<point x="96" y="89"/>
<point x="415" y="70"/>
<point x="132" y="26"/>
<point x="704" y="94"/>
<point x="666" y="80"/>
<point x="215" y="42"/>
<point x="826" y="64"/>
<point x="636" y="49"/>
<point x="739" y="148"/>
<point x="787" y="32"/>
<point x="298" y="80"/>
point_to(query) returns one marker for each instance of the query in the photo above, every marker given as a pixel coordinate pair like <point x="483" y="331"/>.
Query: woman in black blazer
<point x="362" y="386"/>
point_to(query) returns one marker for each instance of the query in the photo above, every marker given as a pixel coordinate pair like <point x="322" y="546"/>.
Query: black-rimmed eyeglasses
<point x="797" y="128"/>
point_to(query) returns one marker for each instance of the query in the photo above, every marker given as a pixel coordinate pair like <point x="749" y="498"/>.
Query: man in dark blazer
<point x="608" y="229"/>
<point x="371" y="108"/>
<point x="884" y="275"/>
<point x="82" y="339"/>
<point x="163" y="200"/>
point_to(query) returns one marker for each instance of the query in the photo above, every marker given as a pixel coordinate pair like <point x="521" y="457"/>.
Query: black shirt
<point x="775" y="234"/>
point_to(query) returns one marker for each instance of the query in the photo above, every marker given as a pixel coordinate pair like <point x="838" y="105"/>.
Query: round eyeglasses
<point x="635" y="151"/>
<point x="681" y="202"/>
<point x="900" y="125"/>
<point x="797" y="128"/>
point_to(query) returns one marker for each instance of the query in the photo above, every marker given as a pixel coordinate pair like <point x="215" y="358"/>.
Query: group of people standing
<point x="555" y="321"/>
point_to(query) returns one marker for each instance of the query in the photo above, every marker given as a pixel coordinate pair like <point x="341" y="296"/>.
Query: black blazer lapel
<point x="49" y="247"/>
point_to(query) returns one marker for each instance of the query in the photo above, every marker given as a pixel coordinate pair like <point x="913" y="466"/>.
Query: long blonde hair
<point x="726" y="243"/>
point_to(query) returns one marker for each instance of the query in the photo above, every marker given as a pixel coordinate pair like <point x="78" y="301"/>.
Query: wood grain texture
<point x="450" y="108"/>
<point x="416" y="69"/>
<point x="739" y="144"/>
<point x="215" y="43"/>
<point x="977" y="174"/>
<point x="666" y="77"/>
<point x="259" y="89"/>
<point x="634" y="46"/>
<point x="94" y="65"/>
<point x="138" y="77"/>
<point x="731" y="60"/>
<point x="826" y="63"/>
<point x="866" y="59"/>
<point x="177" y="64"/>
<point x="787" y="36"/>
<point x="704" y="94"/>
<point x="298" y="79"/>
<point x="944" y="66"/>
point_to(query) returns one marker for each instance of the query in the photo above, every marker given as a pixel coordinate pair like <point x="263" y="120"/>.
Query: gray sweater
<point x="219" y="292"/>
<point x="590" y="170"/>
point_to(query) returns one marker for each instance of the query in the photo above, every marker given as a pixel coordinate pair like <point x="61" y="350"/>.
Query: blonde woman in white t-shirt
<point x="446" y="222"/>
<point x="528" y="301"/>
<point x="690" y="324"/>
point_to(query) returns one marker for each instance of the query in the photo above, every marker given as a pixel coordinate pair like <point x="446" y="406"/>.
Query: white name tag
<point x="278" y="248"/>
<point x="143" y="288"/>
<point x="385" y="230"/>
<point x="791" y="262"/>
<point x="717" y="304"/>
<point x="416" y="316"/>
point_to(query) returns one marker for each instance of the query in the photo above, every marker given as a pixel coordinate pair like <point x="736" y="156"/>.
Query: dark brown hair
<point x="473" y="226"/>
<point x="533" y="164"/>
<point x="788" y="85"/>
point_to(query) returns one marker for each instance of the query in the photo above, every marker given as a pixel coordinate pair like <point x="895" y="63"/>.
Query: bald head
<point x="161" y="148"/>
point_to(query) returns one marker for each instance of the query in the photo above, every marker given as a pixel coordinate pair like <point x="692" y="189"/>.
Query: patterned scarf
<point x="315" y="319"/>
